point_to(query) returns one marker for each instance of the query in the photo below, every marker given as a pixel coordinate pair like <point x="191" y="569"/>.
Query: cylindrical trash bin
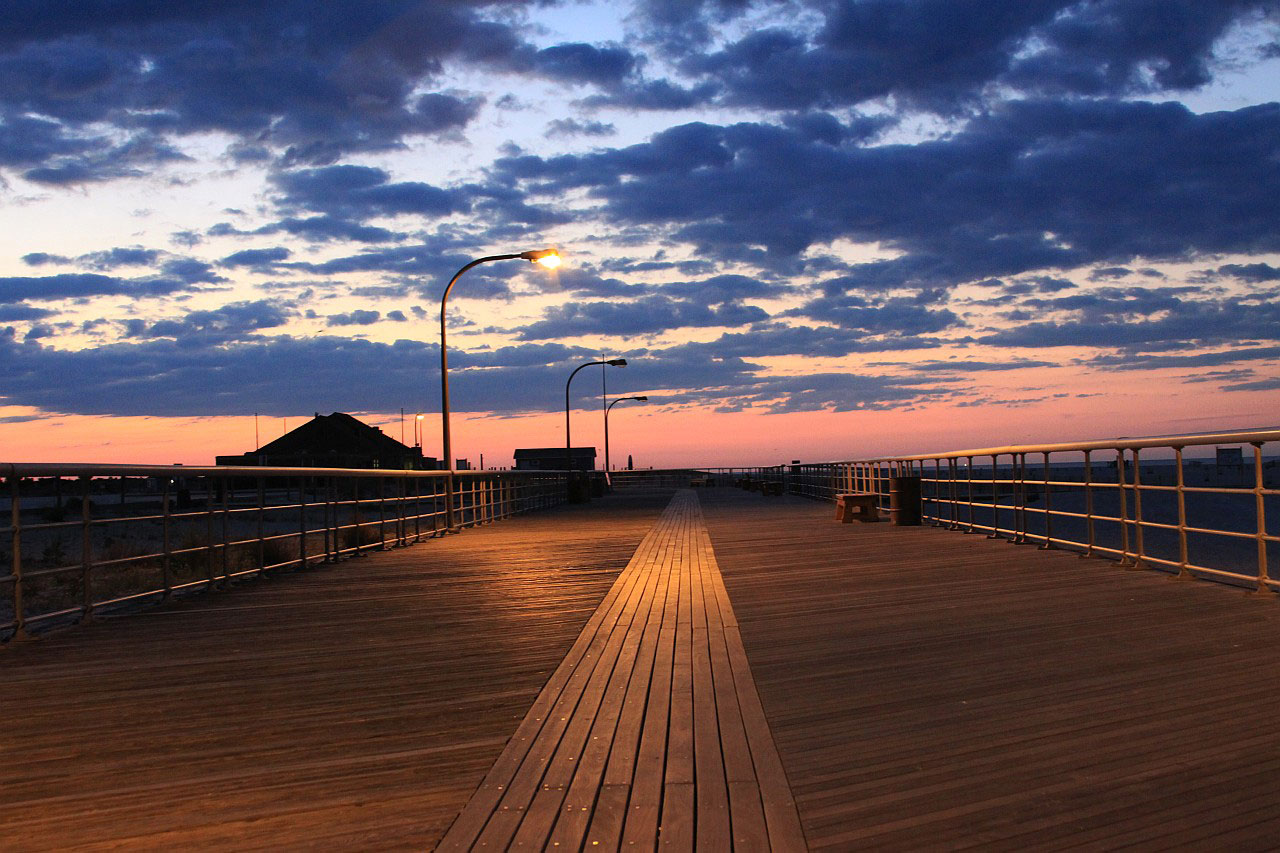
<point x="579" y="487"/>
<point x="904" y="501"/>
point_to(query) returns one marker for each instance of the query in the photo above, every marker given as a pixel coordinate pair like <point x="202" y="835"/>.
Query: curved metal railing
<point x="84" y="538"/>
<point x="1147" y="502"/>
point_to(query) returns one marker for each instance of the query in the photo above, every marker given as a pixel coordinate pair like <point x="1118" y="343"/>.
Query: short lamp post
<point x="606" y="426"/>
<point x="568" y="445"/>
<point x="549" y="258"/>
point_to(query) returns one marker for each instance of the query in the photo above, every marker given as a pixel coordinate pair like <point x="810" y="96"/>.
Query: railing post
<point x="86" y="551"/>
<point x="260" y="525"/>
<point x="1048" y="507"/>
<point x="1184" y="574"/>
<point x="1264" y="587"/>
<point x="15" y="568"/>
<point x="417" y="509"/>
<point x="968" y="468"/>
<point x="357" y="514"/>
<point x="1088" y="503"/>
<point x="995" y="512"/>
<point x="302" y="523"/>
<point x="210" y="507"/>
<point x="1139" y="563"/>
<point x="382" y="513"/>
<point x="1122" y="483"/>
<point x="226" y="531"/>
<point x="166" y="559"/>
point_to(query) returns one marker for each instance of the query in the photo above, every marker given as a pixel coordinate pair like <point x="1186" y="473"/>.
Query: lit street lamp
<point x="606" y="428"/>
<point x="549" y="258"/>
<point x="568" y="446"/>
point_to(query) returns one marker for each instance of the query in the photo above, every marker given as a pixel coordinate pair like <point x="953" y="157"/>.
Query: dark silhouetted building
<point x="335" y="441"/>
<point x="552" y="459"/>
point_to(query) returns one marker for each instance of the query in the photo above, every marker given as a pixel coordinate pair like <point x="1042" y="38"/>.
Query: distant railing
<point x="1151" y="502"/>
<point x="86" y="538"/>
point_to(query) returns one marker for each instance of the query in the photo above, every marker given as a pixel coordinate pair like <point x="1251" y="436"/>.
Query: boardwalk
<point x="921" y="688"/>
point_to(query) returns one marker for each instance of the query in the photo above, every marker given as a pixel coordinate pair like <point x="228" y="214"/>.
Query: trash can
<point x="579" y="488"/>
<point x="904" y="501"/>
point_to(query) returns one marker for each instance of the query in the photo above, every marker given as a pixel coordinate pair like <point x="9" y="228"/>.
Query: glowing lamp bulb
<point x="550" y="261"/>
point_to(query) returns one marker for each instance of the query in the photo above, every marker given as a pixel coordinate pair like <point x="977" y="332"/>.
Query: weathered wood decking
<point x="923" y="688"/>
<point x="930" y="689"/>
<point x="353" y="706"/>
<point x="650" y="731"/>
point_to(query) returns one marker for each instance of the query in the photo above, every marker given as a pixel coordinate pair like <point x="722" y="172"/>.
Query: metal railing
<point x="1148" y="503"/>
<point x="87" y="538"/>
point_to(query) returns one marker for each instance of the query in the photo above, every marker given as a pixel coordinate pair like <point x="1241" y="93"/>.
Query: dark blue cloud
<point x="1256" y="273"/>
<point x="256" y="257"/>
<point x="18" y="312"/>
<point x="577" y="63"/>
<point x="355" y="192"/>
<point x="1110" y="323"/>
<point x="82" y="285"/>
<point x="647" y="315"/>
<point x="945" y="55"/>
<point x="293" y="79"/>
<point x="1030" y="186"/>
<point x="359" y="317"/>
<point x="233" y="322"/>
<point x="574" y="127"/>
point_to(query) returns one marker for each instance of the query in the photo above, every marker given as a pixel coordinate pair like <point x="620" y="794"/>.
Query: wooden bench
<point x="867" y="504"/>
<point x="771" y="488"/>
<point x="697" y="482"/>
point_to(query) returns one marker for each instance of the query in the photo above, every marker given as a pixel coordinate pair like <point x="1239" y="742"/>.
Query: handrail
<point x="95" y="469"/>
<point x="1123" y="443"/>
<point x="77" y="547"/>
<point x="1176" y="513"/>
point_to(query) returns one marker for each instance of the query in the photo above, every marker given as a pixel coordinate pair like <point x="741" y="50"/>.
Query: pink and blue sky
<point x="817" y="229"/>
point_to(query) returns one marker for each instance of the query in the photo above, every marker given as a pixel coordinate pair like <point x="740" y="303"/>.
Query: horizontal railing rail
<point x="81" y="539"/>
<point x="1145" y="502"/>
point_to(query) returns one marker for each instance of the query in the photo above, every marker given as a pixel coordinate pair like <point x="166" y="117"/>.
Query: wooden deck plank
<point x="354" y="705"/>
<point x="533" y="757"/>
<point x="580" y="800"/>
<point x="632" y="752"/>
<point x="959" y="691"/>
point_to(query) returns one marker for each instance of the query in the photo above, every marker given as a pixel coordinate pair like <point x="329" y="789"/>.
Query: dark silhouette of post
<point x="606" y="428"/>
<point x="547" y="257"/>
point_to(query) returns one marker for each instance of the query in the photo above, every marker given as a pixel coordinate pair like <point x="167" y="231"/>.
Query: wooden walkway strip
<point x="650" y="731"/>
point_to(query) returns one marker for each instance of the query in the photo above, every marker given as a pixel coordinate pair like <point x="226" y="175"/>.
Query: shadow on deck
<point x="924" y="688"/>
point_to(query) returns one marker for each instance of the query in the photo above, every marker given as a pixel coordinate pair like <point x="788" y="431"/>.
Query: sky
<point x="816" y="229"/>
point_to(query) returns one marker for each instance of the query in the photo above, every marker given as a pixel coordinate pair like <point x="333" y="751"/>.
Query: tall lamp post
<point x="606" y="426"/>
<point x="549" y="258"/>
<point x="568" y="445"/>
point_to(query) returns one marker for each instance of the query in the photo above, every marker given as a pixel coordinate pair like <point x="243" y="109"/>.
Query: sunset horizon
<point x="818" y="231"/>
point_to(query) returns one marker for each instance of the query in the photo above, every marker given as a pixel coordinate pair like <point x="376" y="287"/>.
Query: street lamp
<point x="568" y="446"/>
<point x="606" y="427"/>
<point x="548" y="258"/>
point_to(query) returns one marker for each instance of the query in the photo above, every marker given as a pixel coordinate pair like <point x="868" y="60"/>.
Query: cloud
<point x="82" y="285"/>
<point x="356" y="192"/>
<point x="256" y="257"/>
<point x="647" y="315"/>
<point x="573" y="127"/>
<point x="232" y="322"/>
<point x="18" y="312"/>
<point x="1203" y="323"/>
<point x="1255" y="273"/>
<point x="945" y="56"/>
<point x="93" y="90"/>
<point x="359" y="317"/>
<point x="1030" y="186"/>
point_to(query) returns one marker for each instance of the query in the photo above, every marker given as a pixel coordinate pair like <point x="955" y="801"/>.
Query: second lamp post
<point x="568" y="445"/>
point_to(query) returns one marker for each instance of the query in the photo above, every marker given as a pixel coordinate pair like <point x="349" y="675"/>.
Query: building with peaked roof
<point x="552" y="459"/>
<point x="334" y="441"/>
